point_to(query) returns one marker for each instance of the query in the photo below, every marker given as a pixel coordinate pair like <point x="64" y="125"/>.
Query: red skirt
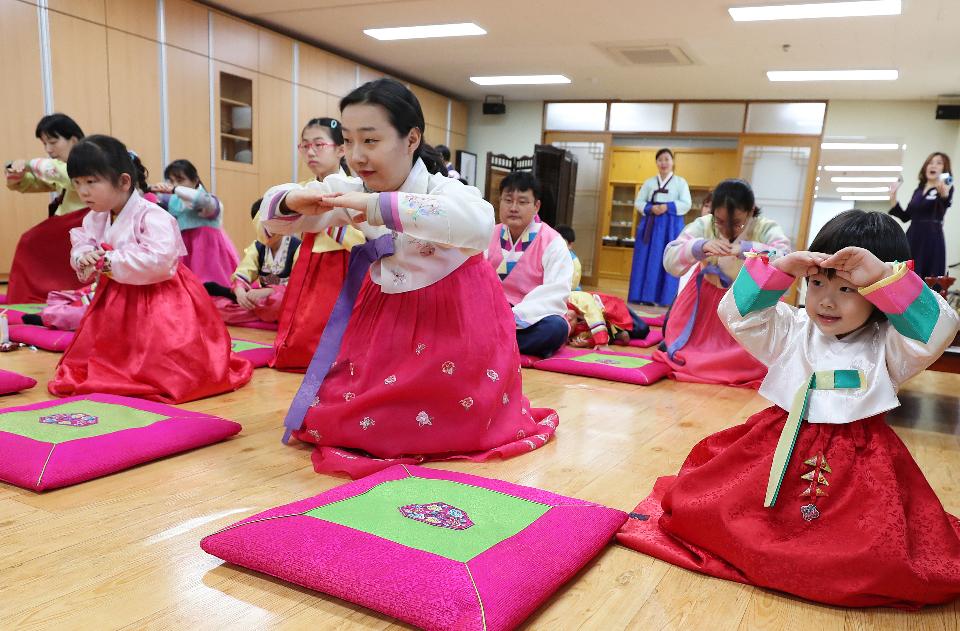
<point x="210" y="254"/>
<point x="431" y="374"/>
<point x="41" y="262"/>
<point x="711" y="355"/>
<point x="312" y="290"/>
<point x="163" y="342"/>
<point x="267" y="310"/>
<point x="879" y="537"/>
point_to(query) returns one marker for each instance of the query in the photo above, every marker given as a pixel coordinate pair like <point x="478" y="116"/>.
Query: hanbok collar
<point x="662" y="182"/>
<point x="526" y="237"/>
<point x="133" y="202"/>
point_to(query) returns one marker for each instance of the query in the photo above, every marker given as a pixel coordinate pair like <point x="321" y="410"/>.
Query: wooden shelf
<point x="617" y="247"/>
<point x="233" y="102"/>
<point x="235" y="137"/>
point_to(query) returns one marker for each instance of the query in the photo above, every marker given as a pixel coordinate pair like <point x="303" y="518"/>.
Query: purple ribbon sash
<point x="361" y="258"/>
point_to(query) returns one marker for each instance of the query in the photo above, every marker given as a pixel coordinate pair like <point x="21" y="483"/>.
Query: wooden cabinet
<point x="235" y="42"/>
<point x="237" y="133"/>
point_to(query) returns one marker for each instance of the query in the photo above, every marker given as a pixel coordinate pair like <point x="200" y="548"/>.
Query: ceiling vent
<point x="634" y="54"/>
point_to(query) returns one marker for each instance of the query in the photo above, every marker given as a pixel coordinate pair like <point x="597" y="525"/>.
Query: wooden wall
<point x="106" y="74"/>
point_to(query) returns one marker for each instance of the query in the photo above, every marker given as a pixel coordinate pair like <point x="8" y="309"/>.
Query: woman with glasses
<point x="322" y="265"/>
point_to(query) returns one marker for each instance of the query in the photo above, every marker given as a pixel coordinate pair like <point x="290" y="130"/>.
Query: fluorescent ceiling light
<point x="865" y="169"/>
<point x="421" y="32"/>
<point x="533" y="79"/>
<point x="865" y="198"/>
<point x="832" y="75"/>
<point x="863" y="189"/>
<point x="862" y="180"/>
<point x="862" y="8"/>
<point x="861" y="146"/>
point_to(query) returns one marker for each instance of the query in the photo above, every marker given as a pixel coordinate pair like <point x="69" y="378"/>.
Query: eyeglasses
<point x="317" y="145"/>
<point x="519" y="203"/>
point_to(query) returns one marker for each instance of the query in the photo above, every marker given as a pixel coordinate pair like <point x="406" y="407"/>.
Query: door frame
<point x="549" y="137"/>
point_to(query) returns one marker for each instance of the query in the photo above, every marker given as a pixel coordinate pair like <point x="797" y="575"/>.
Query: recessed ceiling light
<point x="861" y="146"/>
<point x="864" y="168"/>
<point x="863" y="189"/>
<point x="832" y="75"/>
<point x="862" y="180"/>
<point x="533" y="79"/>
<point x="865" y="198"/>
<point x="861" y="8"/>
<point x="421" y="32"/>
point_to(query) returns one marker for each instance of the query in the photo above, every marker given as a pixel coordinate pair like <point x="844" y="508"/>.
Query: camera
<point x="946" y="178"/>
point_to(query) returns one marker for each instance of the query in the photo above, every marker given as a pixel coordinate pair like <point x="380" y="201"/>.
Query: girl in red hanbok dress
<point x="151" y="330"/>
<point x="321" y="267"/>
<point x="817" y="496"/>
<point x="428" y="367"/>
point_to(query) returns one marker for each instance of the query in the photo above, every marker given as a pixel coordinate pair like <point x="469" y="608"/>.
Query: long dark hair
<point x="182" y="168"/>
<point x="59" y="126"/>
<point x="733" y="194"/>
<point x="404" y="112"/>
<point x="103" y="156"/>
<point x="336" y="134"/>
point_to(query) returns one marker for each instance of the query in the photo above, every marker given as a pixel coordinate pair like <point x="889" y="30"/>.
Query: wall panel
<point x="235" y="42"/>
<point x="133" y="16"/>
<point x="92" y="10"/>
<point x="276" y="55"/>
<point x="78" y="49"/>
<point x="135" y="96"/>
<point x="21" y="109"/>
<point x="188" y="114"/>
<point x="275" y="164"/>
<point x="187" y="26"/>
<point x="237" y="190"/>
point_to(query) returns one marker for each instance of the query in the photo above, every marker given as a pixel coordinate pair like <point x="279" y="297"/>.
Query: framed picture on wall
<point x="467" y="166"/>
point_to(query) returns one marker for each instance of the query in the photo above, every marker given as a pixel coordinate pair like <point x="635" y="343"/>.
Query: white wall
<point x="914" y="123"/>
<point x="514" y="133"/>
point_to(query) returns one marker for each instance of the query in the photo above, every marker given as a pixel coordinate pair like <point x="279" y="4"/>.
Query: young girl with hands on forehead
<point x="817" y="496"/>
<point x="151" y="330"/>
<point x="428" y="366"/>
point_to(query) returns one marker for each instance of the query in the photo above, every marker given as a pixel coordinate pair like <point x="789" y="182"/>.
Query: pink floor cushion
<point x="652" y="319"/>
<point x="11" y="382"/>
<point x="436" y="549"/>
<point x="654" y="337"/>
<point x="57" y="443"/>
<point x="15" y="313"/>
<point x="41" y="337"/>
<point x="257" y="324"/>
<point x="608" y="365"/>
<point x="258" y="353"/>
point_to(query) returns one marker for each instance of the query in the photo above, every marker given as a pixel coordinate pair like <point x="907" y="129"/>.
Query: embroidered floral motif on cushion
<point x="438" y="514"/>
<point x="75" y="419"/>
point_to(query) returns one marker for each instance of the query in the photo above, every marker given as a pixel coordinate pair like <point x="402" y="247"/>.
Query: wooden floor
<point x="122" y="552"/>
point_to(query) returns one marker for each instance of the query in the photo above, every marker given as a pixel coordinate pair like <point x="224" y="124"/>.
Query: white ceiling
<point x="560" y="36"/>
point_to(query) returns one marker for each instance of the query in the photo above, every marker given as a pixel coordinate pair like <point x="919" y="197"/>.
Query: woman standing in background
<point x="925" y="212"/>
<point x="663" y="200"/>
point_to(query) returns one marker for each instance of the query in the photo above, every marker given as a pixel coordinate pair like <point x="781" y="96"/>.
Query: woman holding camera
<point x="925" y="213"/>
